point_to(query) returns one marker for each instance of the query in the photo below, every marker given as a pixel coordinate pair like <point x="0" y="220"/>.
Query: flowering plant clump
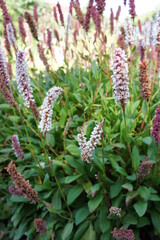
<point x="85" y="164"/>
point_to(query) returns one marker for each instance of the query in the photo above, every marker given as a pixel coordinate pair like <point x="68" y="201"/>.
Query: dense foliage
<point x="102" y="186"/>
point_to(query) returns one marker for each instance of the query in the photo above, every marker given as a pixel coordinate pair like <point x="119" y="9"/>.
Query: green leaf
<point x="144" y="192"/>
<point x="155" y="216"/>
<point x="15" y="198"/>
<point x="70" y="179"/>
<point x="94" y="202"/>
<point x="50" y="140"/>
<point x="67" y="231"/>
<point x="140" y="208"/>
<point x="81" y="230"/>
<point x="130" y="219"/>
<point x="73" y="194"/>
<point x="144" y="108"/>
<point x="104" y="222"/>
<point x="135" y="158"/>
<point x="81" y="214"/>
<point x="128" y="186"/>
<point x="56" y="200"/>
<point x="115" y="189"/>
<point x="90" y="234"/>
<point x="147" y="140"/>
<point x="74" y="150"/>
<point x="143" y="222"/>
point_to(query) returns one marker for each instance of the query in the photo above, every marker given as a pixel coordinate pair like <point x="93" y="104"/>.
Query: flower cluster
<point x="43" y="57"/>
<point x="115" y="211"/>
<point x="23" y="187"/>
<point x="47" y="109"/>
<point x="22" y="29"/>
<point x="156" y="126"/>
<point x="88" y="147"/>
<point x="144" y="80"/>
<point x="123" y="233"/>
<point x="129" y="32"/>
<point x="120" y="77"/>
<point x="23" y="82"/>
<point x="14" y="191"/>
<point x="32" y="25"/>
<point x="40" y="225"/>
<point x="144" y="168"/>
<point x="16" y="147"/>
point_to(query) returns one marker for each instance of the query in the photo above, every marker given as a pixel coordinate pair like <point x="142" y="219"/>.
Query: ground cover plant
<point x="80" y="123"/>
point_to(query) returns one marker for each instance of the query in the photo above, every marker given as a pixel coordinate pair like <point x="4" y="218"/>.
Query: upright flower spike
<point x="120" y="77"/>
<point x="82" y="141"/>
<point x="22" y="187"/>
<point x="43" y="57"/>
<point x="47" y="109"/>
<point x="111" y="22"/>
<point x="132" y="11"/>
<point x="158" y="29"/>
<point x="35" y="13"/>
<point x="5" y="82"/>
<point x="60" y="14"/>
<point x="49" y="39"/>
<point x="3" y="68"/>
<point x="96" y="19"/>
<point x="16" y="147"/>
<point x="88" y="15"/>
<point x="10" y="35"/>
<point x="88" y="147"/>
<point x="156" y="126"/>
<point x="22" y="30"/>
<point x="79" y="13"/>
<point x="158" y="40"/>
<point x="32" y="25"/>
<point x="129" y="32"/>
<point x="23" y="83"/>
<point x="55" y="14"/>
<point x="118" y="13"/>
<point x="7" y="19"/>
<point x="144" y="80"/>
